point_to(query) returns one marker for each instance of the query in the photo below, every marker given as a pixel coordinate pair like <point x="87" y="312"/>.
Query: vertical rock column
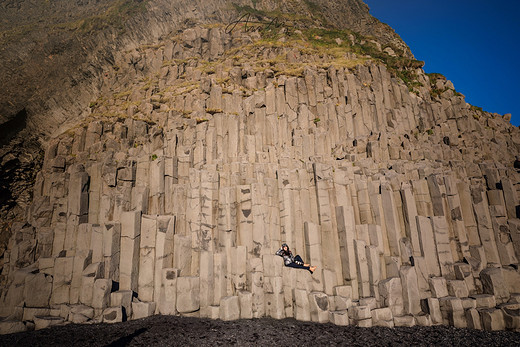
<point x="111" y="250"/>
<point x="286" y="212"/>
<point x="428" y="246"/>
<point x="146" y="281"/>
<point x="346" y="235"/>
<point x="455" y="218"/>
<point x="82" y="258"/>
<point x="259" y="211"/>
<point x="209" y="195"/>
<point x="501" y="230"/>
<point x="273" y="286"/>
<point x="329" y="238"/>
<point x="63" y="270"/>
<point x="78" y="198"/>
<point x="207" y="282"/>
<point x="193" y="213"/>
<point x="244" y="217"/>
<point x="485" y="228"/>
<point x="466" y="206"/>
<point x="163" y="252"/>
<point x="442" y="242"/>
<point x="95" y="188"/>
<point x="220" y="279"/>
<point x="410" y="212"/>
<point x="257" y="286"/>
<point x="391" y="219"/>
<point x="130" y="250"/>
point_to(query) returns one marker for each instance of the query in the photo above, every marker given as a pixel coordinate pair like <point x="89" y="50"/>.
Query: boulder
<point x="473" y="319"/>
<point x="511" y="316"/>
<point x="485" y="300"/>
<point x="404" y="321"/>
<point x="341" y="303"/>
<point x="438" y="287"/>
<point x="301" y="305"/>
<point x="492" y="319"/>
<point x="434" y="310"/>
<point x="423" y="320"/>
<point x="80" y="314"/>
<point x="142" y="309"/>
<point x="122" y="298"/>
<point x="411" y="297"/>
<point x="30" y="312"/>
<point x="42" y="322"/>
<point x="12" y="327"/>
<point x="381" y="314"/>
<point x="391" y="293"/>
<point x="101" y="293"/>
<point x="168" y="292"/>
<point x="453" y="311"/>
<point x="37" y="290"/>
<point x="213" y="312"/>
<point x="339" y="317"/>
<point x="229" y="308"/>
<point x="493" y="283"/>
<point x="275" y="305"/>
<point x="458" y="288"/>
<point x="359" y="312"/>
<point x="319" y="307"/>
<point x="370" y="302"/>
<point x="113" y="315"/>
<point x="187" y="294"/>
<point x="364" y="323"/>
<point x="245" y="299"/>
<point x="343" y="291"/>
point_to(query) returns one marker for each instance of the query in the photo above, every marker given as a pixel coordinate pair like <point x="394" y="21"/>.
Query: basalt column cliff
<point x="240" y="126"/>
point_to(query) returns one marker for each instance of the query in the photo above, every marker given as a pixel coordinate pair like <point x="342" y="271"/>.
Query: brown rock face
<point x="56" y="55"/>
<point x="199" y="154"/>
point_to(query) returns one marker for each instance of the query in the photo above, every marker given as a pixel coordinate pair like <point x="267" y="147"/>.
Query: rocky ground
<point x="177" y="331"/>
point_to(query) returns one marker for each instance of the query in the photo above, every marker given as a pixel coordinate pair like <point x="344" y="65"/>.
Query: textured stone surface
<point x="113" y="315"/>
<point x="199" y="161"/>
<point x="187" y="294"/>
<point x="142" y="309"/>
<point x="42" y="322"/>
<point x="229" y="308"/>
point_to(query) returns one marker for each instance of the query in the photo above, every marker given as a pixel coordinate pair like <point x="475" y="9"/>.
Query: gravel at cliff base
<point x="184" y="331"/>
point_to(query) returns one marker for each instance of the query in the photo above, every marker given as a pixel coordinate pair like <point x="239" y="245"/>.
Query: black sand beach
<point x="182" y="331"/>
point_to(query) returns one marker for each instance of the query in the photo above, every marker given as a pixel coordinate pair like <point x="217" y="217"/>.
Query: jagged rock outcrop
<point x="213" y="146"/>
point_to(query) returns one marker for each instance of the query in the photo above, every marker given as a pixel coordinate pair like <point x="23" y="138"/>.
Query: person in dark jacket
<point x="290" y="260"/>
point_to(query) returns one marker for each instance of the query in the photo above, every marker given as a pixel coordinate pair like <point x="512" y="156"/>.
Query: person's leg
<point x="298" y="266"/>
<point x="298" y="258"/>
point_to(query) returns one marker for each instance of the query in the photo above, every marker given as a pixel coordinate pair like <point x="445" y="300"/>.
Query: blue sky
<point x="475" y="44"/>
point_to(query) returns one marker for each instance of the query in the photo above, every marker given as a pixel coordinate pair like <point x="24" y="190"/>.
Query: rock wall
<point x="57" y="57"/>
<point x="214" y="147"/>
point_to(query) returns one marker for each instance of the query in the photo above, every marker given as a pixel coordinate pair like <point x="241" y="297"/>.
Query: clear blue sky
<point x="475" y="44"/>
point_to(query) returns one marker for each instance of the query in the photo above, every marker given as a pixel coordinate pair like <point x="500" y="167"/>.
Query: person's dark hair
<point x="288" y="249"/>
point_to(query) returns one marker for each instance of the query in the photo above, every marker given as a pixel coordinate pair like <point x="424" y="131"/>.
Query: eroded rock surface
<point x="213" y="146"/>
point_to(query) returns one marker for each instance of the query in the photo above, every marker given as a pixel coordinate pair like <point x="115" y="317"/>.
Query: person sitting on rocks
<point x="290" y="260"/>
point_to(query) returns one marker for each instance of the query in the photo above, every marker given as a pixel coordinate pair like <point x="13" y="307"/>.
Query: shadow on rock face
<point x="125" y="340"/>
<point x="9" y="129"/>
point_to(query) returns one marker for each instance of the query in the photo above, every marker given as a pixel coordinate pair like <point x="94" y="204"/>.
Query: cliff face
<point x="55" y="53"/>
<point x="57" y="58"/>
<point x="204" y="151"/>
